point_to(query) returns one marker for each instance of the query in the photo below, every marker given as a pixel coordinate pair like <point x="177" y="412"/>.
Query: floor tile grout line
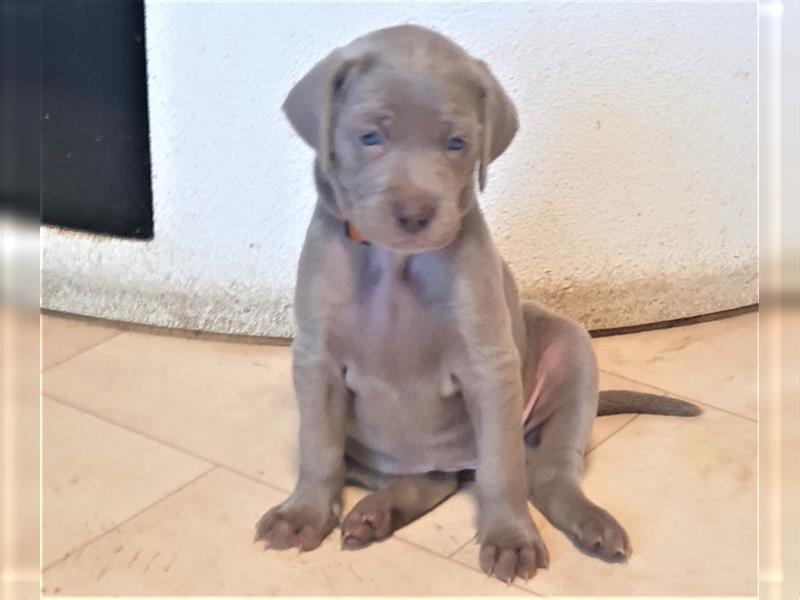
<point x="461" y="547"/>
<point x="679" y="396"/>
<point x="253" y="479"/>
<point x="612" y="434"/>
<point x="163" y="442"/>
<point x="460" y="564"/>
<point x="80" y="352"/>
<point x="128" y="519"/>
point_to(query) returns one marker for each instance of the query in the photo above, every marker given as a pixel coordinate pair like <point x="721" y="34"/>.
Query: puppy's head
<point x="400" y="119"/>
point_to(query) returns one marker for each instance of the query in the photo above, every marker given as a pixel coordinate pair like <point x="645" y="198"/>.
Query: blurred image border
<point x="779" y="286"/>
<point x="779" y="291"/>
<point x="20" y="419"/>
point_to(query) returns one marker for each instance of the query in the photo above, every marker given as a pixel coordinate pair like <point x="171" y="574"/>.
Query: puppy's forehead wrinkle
<point x="371" y="106"/>
<point x="462" y="108"/>
<point x="446" y="86"/>
<point x="413" y="104"/>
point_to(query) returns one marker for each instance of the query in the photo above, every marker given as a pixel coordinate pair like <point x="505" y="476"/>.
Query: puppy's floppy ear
<point x="309" y="106"/>
<point x="499" y="120"/>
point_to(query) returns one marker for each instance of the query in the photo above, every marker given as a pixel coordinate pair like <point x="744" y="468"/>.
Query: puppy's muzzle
<point x="412" y="215"/>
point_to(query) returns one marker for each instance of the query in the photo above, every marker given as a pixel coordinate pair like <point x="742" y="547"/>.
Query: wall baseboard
<point x="681" y="322"/>
<point x="249" y="309"/>
<point x="286" y="341"/>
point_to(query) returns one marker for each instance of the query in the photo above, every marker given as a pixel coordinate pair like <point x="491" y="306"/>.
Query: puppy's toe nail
<point x="349" y="541"/>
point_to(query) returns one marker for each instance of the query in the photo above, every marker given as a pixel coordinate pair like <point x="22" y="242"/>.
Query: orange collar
<point x="354" y="234"/>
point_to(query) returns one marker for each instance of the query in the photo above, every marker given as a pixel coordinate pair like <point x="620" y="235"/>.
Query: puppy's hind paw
<point x="598" y="533"/>
<point x="369" y="521"/>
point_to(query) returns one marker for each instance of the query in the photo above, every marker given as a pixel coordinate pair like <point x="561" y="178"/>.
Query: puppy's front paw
<point x="513" y="550"/>
<point x="294" y="526"/>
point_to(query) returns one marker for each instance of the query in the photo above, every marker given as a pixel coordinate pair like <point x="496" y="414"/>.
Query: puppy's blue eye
<point x="455" y="143"/>
<point x="372" y="138"/>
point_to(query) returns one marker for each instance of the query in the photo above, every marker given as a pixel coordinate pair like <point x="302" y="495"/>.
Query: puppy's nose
<point x="413" y="217"/>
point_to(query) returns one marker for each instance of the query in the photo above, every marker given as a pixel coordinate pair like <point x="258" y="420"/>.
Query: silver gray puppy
<point x="414" y="360"/>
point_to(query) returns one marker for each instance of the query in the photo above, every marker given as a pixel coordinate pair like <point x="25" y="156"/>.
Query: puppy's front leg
<point x="510" y="543"/>
<point x="310" y="513"/>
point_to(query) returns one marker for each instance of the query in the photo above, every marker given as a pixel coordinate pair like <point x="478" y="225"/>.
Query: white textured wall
<point x="628" y="195"/>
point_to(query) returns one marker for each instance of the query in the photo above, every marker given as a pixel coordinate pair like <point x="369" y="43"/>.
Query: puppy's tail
<point x="615" y="402"/>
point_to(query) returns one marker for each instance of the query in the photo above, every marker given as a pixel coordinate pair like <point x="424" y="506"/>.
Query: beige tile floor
<point x="161" y="452"/>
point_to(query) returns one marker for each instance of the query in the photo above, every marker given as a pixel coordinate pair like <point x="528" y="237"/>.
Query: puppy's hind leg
<point x="401" y="501"/>
<point x="562" y="367"/>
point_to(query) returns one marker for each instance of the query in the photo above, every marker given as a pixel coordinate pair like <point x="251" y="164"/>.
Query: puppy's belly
<point x="419" y="426"/>
<point x="399" y="346"/>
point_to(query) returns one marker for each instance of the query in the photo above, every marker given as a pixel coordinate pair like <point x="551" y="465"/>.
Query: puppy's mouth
<point x="416" y="246"/>
<point x="418" y="243"/>
<point x="402" y="243"/>
<point x="380" y="227"/>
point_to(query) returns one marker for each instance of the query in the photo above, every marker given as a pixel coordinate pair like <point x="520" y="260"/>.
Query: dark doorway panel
<point x="95" y="130"/>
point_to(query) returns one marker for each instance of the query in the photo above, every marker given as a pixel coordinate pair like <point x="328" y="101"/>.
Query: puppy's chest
<point x="396" y="335"/>
<point x="400" y="351"/>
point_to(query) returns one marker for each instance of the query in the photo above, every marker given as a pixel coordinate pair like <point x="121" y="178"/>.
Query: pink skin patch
<point x="551" y="359"/>
<point x="526" y="414"/>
